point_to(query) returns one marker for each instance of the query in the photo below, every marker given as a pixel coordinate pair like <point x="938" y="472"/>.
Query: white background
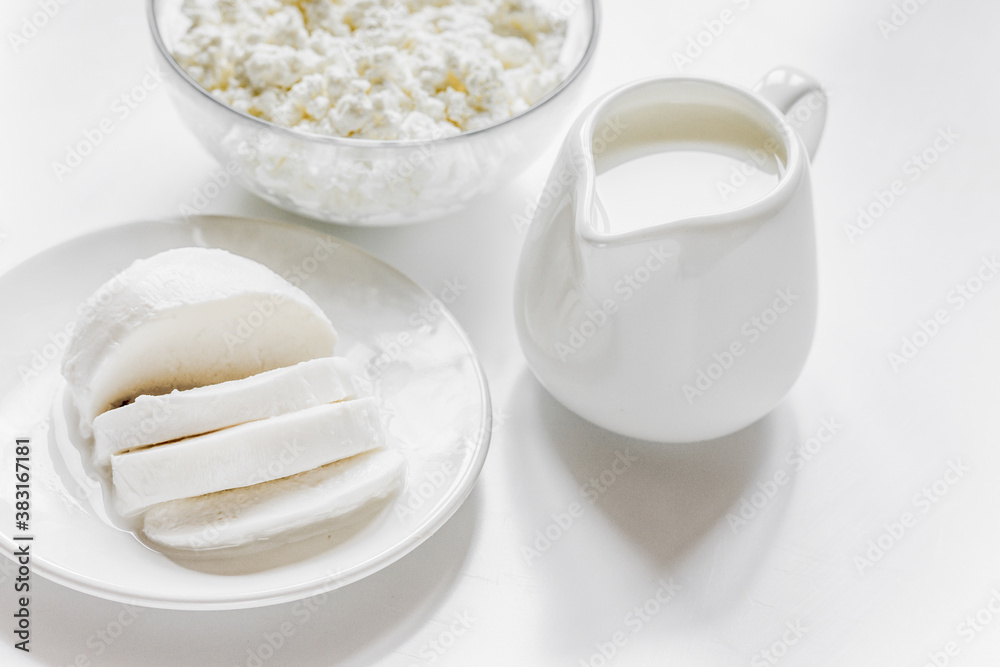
<point x="665" y="517"/>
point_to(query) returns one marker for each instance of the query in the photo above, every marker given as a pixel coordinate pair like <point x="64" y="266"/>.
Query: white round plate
<point x="432" y="394"/>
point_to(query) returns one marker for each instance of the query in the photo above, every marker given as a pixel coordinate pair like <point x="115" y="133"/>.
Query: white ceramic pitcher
<point x="689" y="329"/>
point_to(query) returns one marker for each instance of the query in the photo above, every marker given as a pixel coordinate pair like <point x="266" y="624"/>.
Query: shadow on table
<point x="675" y="500"/>
<point x="359" y="624"/>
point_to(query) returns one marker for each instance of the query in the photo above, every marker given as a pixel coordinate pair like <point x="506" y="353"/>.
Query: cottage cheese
<point x="374" y="69"/>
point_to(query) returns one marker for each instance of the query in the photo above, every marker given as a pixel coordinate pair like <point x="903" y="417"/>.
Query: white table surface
<point x="795" y="563"/>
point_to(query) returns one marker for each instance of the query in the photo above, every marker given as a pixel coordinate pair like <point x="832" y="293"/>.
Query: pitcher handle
<point x="800" y="98"/>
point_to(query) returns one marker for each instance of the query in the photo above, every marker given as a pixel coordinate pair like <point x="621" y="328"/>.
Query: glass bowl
<point x="365" y="181"/>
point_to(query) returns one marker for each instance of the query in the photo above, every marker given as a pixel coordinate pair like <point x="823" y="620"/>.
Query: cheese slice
<point x="180" y="414"/>
<point x="184" y="318"/>
<point x="243" y="455"/>
<point x="271" y="509"/>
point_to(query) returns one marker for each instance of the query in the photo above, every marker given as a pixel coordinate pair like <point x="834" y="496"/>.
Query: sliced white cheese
<point x="243" y="455"/>
<point x="185" y="318"/>
<point x="265" y="511"/>
<point x="155" y="419"/>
